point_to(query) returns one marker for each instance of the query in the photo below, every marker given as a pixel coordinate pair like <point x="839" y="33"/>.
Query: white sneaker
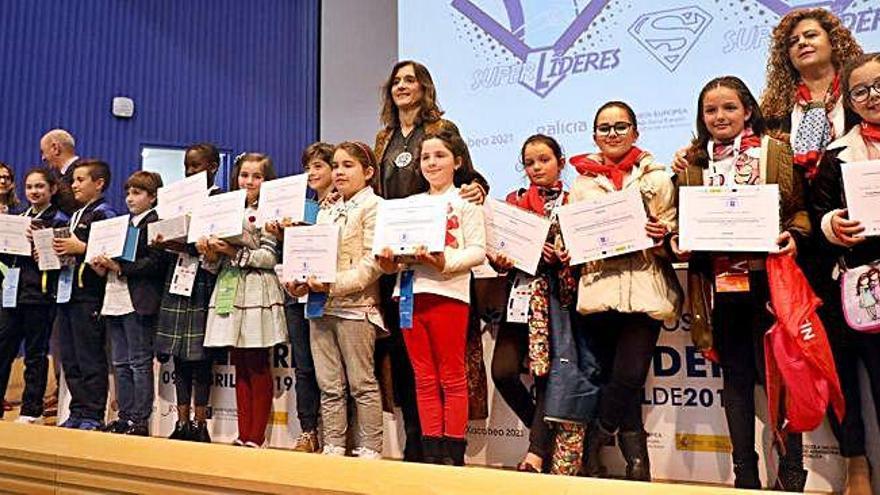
<point x="333" y="450"/>
<point x="366" y="453"/>
<point x="31" y="420"/>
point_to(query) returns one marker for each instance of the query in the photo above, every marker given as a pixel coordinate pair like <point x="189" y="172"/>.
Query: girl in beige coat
<point x="343" y="337"/>
<point x="624" y="299"/>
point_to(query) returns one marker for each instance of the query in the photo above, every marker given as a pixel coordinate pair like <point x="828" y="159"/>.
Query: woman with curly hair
<point x="802" y="95"/>
<point x="804" y="101"/>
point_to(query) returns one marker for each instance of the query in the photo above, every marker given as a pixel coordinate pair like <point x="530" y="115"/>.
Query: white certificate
<point x="171" y="229"/>
<point x="13" y="235"/>
<point x="182" y="197"/>
<point x="610" y="225"/>
<point x="43" y="245"/>
<point x="738" y="219"/>
<point x="861" y="185"/>
<point x="221" y="215"/>
<point x="517" y="233"/>
<point x="282" y="199"/>
<point x="107" y="237"/>
<point x="405" y="224"/>
<point x="310" y="251"/>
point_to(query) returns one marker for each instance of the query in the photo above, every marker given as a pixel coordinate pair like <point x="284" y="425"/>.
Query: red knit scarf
<point x="871" y="134"/>
<point x="536" y="198"/>
<point x="615" y="171"/>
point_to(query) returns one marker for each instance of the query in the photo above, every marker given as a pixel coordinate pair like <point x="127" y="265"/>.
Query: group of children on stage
<point x="608" y="311"/>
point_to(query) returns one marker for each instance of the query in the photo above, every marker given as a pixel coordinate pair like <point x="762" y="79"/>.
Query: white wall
<point x="358" y="48"/>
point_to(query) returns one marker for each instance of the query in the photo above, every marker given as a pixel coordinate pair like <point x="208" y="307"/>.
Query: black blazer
<point x="64" y="199"/>
<point x="146" y="274"/>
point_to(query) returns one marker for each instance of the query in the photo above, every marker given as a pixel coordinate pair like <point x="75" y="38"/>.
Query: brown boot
<point x="858" y="476"/>
<point x="307" y="442"/>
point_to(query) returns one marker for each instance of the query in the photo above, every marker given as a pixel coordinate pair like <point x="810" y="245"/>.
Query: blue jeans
<point x="131" y="340"/>
<point x="308" y="396"/>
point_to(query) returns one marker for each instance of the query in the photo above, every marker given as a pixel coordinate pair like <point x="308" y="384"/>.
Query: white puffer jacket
<point x="639" y="282"/>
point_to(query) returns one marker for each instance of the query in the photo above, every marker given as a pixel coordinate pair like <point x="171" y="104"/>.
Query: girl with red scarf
<point x="841" y="238"/>
<point x="624" y="299"/>
<point x="520" y="335"/>
<point x="731" y="150"/>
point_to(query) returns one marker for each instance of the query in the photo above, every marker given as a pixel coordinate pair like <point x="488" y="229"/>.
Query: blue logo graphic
<point x="668" y="35"/>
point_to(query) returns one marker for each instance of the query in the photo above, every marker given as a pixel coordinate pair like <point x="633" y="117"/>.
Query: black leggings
<point x="624" y="345"/>
<point x="740" y="321"/>
<point x="850" y="347"/>
<point x="192" y="376"/>
<point x="511" y="347"/>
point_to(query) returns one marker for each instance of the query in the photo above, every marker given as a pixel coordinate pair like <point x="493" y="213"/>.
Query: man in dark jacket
<point x="58" y="150"/>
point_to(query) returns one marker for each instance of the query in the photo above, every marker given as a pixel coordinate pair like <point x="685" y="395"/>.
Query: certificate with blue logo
<point x="609" y="225"/>
<point x="517" y="233"/>
<point x="310" y="251"/>
<point x="406" y="224"/>
<point x="731" y="219"/>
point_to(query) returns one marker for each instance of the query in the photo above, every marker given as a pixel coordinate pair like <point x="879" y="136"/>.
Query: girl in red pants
<point x="253" y="321"/>
<point x="435" y="340"/>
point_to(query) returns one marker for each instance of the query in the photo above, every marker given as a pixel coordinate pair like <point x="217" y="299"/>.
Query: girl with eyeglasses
<point x="731" y="137"/>
<point x="624" y="299"/>
<point x="842" y="237"/>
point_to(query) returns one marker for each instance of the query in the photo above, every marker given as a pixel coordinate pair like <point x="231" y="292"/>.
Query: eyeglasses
<point x="862" y="92"/>
<point x="5" y="178"/>
<point x="619" y="128"/>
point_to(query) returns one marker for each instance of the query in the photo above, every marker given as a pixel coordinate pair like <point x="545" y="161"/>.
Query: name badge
<point x="65" y="284"/>
<point x="518" y="303"/>
<point x="10" y="287"/>
<point x="406" y="302"/>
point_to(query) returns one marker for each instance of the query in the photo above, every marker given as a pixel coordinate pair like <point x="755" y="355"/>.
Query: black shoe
<point x="791" y="479"/>
<point x="634" y="447"/>
<point x="454" y="451"/>
<point x="596" y="438"/>
<point x="117" y="426"/>
<point x="432" y="450"/>
<point x="199" y="432"/>
<point x="745" y="472"/>
<point x="138" y="429"/>
<point x="182" y="431"/>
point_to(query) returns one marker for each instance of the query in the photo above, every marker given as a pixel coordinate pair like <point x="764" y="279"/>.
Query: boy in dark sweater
<point x="80" y="295"/>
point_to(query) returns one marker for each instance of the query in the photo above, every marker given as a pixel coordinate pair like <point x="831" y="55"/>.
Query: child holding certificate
<point x="180" y="325"/>
<point x="624" y="299"/>
<point x="80" y="294"/>
<point x="530" y="334"/>
<point x="843" y="239"/>
<point x="438" y="287"/>
<point x="131" y="301"/>
<point x="316" y="159"/>
<point x="27" y="316"/>
<point x="731" y="149"/>
<point x="246" y="312"/>
<point x="343" y="332"/>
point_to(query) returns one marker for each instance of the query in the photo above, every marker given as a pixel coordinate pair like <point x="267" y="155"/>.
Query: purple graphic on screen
<point x="547" y="74"/>
<point x="782" y="7"/>
<point x="669" y="35"/>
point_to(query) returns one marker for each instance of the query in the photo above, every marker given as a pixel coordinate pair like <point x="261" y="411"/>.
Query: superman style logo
<point x="514" y="32"/>
<point x="782" y="7"/>
<point x="668" y="35"/>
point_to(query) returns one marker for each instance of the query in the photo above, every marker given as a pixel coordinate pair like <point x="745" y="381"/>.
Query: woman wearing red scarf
<point x="804" y="100"/>
<point x="731" y="149"/>
<point x="860" y="84"/>
<point x="624" y="299"/>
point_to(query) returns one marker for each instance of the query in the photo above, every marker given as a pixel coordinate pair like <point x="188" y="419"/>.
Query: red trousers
<point x="436" y="348"/>
<point x="253" y="393"/>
